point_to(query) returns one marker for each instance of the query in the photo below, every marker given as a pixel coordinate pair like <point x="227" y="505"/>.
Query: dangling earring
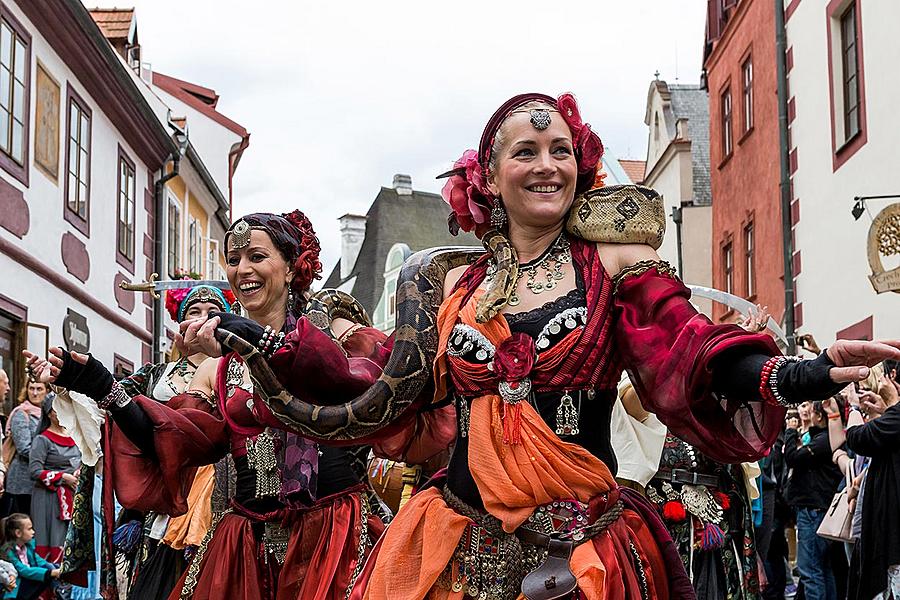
<point x="290" y="302"/>
<point x="498" y="215"/>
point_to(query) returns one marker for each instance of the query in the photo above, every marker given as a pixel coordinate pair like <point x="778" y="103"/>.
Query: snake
<point x="623" y="213"/>
<point x="408" y="370"/>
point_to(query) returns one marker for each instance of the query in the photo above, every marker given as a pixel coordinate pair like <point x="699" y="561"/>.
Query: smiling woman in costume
<point x="297" y="506"/>
<point x="530" y="353"/>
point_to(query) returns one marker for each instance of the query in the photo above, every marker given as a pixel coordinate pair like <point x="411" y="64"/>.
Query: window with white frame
<point x="212" y="259"/>
<point x="750" y="258"/>
<point x="727" y="132"/>
<point x="126" y="208"/>
<point x="14" y="71"/>
<point x="728" y="266"/>
<point x="747" y="92"/>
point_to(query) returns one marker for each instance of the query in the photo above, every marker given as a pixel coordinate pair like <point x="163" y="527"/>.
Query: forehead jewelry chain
<point x="544" y="272"/>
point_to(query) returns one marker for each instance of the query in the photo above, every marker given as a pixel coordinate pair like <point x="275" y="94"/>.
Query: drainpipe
<point x="159" y="258"/>
<point x="785" y="182"/>
<point x="678" y="219"/>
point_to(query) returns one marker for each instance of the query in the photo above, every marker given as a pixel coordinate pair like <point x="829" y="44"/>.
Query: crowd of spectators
<point x="38" y="476"/>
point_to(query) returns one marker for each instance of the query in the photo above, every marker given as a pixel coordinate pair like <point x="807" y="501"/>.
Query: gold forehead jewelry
<point x="204" y="294"/>
<point x="240" y="235"/>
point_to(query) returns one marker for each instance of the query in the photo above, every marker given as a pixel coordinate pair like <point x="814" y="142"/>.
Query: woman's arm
<point x="877" y="437"/>
<point x="37" y="458"/>
<point x="20" y="430"/>
<point x="632" y="405"/>
<point x="138" y="427"/>
<point x="836" y="436"/>
<point x="35" y="573"/>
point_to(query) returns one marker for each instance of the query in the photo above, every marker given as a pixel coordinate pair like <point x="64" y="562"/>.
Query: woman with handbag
<point x="21" y="427"/>
<point x="814" y="481"/>
<point x="875" y="566"/>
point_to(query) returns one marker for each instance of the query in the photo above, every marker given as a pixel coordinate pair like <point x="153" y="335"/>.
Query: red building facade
<point x="740" y="66"/>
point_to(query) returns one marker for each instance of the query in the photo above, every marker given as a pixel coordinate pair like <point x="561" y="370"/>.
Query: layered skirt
<point x="307" y="554"/>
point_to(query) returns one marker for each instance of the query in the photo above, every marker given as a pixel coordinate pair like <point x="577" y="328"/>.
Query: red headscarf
<point x="466" y="190"/>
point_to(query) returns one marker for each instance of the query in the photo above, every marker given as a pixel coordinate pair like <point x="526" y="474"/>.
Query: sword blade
<point x="174" y="284"/>
<point x="736" y="302"/>
<point x="177" y="284"/>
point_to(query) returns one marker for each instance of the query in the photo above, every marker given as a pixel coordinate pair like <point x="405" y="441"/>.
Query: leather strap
<point x="685" y="476"/>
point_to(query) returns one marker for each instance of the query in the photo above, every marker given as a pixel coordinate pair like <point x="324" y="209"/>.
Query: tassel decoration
<point x="127" y="536"/>
<point x="723" y="500"/>
<point x="512" y="423"/>
<point x="673" y="511"/>
<point x="712" y="538"/>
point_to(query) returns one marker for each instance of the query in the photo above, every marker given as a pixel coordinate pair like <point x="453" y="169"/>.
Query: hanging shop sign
<point x="76" y="334"/>
<point x="884" y="242"/>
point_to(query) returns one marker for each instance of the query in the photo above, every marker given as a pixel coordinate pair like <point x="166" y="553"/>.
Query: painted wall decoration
<point x="46" y="133"/>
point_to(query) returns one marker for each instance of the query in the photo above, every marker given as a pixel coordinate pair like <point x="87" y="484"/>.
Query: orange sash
<point x="513" y="480"/>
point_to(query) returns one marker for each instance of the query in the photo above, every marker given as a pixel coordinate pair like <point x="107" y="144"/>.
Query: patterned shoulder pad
<point x="624" y="214"/>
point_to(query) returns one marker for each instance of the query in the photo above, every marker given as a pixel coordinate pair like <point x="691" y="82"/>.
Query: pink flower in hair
<point x="585" y="141"/>
<point x="467" y="194"/>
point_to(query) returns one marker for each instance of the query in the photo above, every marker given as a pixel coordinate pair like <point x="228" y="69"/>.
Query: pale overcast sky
<point x="340" y="96"/>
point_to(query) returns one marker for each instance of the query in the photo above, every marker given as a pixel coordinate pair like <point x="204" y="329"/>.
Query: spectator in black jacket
<point x="875" y="567"/>
<point x="813" y="483"/>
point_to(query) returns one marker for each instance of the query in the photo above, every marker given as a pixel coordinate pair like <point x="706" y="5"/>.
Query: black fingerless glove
<point x="242" y="327"/>
<point x="808" y="380"/>
<point x="91" y="379"/>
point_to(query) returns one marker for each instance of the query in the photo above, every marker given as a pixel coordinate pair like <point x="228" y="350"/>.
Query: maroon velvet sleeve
<point x="670" y="350"/>
<point x="314" y="368"/>
<point x="187" y="433"/>
<point x="418" y="436"/>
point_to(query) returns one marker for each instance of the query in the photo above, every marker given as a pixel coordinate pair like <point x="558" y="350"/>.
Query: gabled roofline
<point x="185" y="91"/>
<point x="72" y="33"/>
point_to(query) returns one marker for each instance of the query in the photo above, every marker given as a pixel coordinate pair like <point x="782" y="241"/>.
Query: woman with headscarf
<point x="21" y="427"/>
<point x="302" y="520"/>
<point x="153" y="546"/>
<point x="162" y="553"/>
<point x="53" y="463"/>
<point x="531" y="340"/>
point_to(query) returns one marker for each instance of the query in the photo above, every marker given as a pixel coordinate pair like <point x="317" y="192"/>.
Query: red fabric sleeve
<point x="50" y="479"/>
<point x="188" y="433"/>
<point x="314" y="368"/>
<point x="317" y="370"/>
<point x="418" y="436"/>
<point x="670" y="350"/>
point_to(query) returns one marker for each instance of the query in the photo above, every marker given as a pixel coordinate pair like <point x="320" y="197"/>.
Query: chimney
<point x="353" y="232"/>
<point x="403" y="184"/>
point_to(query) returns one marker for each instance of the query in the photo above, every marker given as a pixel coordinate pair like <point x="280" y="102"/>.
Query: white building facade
<point x="677" y="117"/>
<point x="844" y="128"/>
<point x="78" y="161"/>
